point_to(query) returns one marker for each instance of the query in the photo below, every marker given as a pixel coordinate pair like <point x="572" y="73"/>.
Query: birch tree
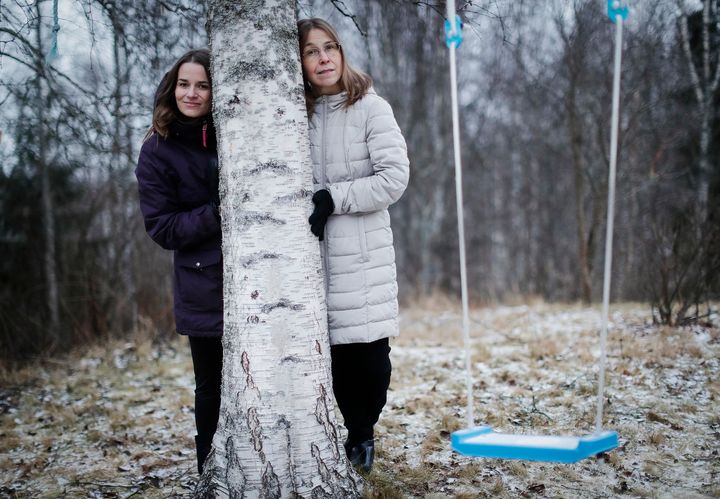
<point x="705" y="80"/>
<point x="277" y="435"/>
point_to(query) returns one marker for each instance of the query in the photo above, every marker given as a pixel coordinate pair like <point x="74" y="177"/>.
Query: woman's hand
<point x="324" y="207"/>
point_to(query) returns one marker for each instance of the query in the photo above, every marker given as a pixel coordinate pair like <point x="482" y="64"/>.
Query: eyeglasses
<point x="331" y="49"/>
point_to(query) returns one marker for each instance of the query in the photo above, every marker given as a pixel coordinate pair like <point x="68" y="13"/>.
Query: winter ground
<point x="118" y="422"/>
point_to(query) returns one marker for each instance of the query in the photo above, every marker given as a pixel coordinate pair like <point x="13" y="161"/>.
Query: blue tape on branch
<point x="617" y="8"/>
<point x="453" y="39"/>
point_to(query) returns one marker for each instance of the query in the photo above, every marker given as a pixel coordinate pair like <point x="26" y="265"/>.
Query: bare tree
<point x="73" y="133"/>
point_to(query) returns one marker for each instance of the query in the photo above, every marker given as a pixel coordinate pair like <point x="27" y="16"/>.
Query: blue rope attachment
<point x="617" y="8"/>
<point x="453" y="35"/>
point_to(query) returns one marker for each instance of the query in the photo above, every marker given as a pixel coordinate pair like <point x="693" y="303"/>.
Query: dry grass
<point x="117" y="421"/>
<point x="539" y="376"/>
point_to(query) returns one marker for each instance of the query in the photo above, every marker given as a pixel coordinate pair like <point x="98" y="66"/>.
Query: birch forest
<point x="535" y="84"/>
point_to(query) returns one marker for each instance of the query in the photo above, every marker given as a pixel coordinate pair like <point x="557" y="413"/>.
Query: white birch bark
<point x="277" y="435"/>
<point x="705" y="81"/>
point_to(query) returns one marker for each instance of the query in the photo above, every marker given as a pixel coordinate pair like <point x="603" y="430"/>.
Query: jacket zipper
<point x="326" y="258"/>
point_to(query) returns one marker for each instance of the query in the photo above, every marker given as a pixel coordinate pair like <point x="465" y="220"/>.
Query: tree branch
<point x="342" y="8"/>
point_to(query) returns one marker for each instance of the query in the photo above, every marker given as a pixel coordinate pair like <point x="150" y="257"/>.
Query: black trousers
<point x="207" y="363"/>
<point x="361" y="377"/>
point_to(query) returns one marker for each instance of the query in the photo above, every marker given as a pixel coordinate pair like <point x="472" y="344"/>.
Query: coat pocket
<point x="198" y="280"/>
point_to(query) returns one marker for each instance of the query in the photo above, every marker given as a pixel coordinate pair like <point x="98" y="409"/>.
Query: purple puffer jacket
<point x="177" y="181"/>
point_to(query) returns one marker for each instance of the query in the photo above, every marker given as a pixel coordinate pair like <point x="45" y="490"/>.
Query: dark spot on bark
<point x="255" y="432"/>
<point x="290" y="358"/>
<point x="318" y="347"/>
<point x="273" y="166"/>
<point x="295" y="196"/>
<point x="231" y="105"/>
<point x="322" y="467"/>
<point x="284" y="303"/>
<point x="252" y="260"/>
<point x="257" y="69"/>
<point x="234" y="469"/>
<point x="253" y="319"/>
<point x="245" y="362"/>
<point x="283" y="423"/>
<point x="254" y="294"/>
<point x="319" y="493"/>
<point x="226" y="15"/>
<point x="325" y="419"/>
<point x="271" y="483"/>
<point x="298" y="94"/>
<point x="256" y="218"/>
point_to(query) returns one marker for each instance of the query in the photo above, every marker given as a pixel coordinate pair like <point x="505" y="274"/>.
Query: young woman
<point x="177" y="176"/>
<point x="360" y="167"/>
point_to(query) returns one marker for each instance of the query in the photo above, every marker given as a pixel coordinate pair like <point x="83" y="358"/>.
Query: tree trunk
<point x="705" y="82"/>
<point x="277" y="435"/>
<point x="48" y="210"/>
<point x="129" y="199"/>
<point x="575" y="136"/>
<point x="125" y="312"/>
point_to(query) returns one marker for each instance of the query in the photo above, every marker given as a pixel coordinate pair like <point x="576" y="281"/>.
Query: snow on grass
<point x="534" y="372"/>
<point x="118" y="422"/>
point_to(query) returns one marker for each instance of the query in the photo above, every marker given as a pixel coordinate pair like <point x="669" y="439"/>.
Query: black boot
<point x="202" y="446"/>
<point x="362" y="455"/>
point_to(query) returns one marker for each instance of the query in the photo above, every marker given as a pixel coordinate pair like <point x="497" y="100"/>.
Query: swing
<point x="483" y="441"/>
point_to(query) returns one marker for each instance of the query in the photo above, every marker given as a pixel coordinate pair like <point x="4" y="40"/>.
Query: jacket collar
<point x="198" y="133"/>
<point x="333" y="102"/>
<point x="337" y="101"/>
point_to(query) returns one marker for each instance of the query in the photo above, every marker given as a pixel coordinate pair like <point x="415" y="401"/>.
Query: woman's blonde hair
<point x="355" y="82"/>
<point x="166" y="111"/>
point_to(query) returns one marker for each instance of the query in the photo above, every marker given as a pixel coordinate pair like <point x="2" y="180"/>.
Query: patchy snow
<point x="118" y="422"/>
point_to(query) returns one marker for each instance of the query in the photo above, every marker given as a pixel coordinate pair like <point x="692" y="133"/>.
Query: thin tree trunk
<point x="579" y="181"/>
<point x="129" y="199"/>
<point x="48" y="215"/>
<point x="124" y="314"/>
<point x="277" y="435"/>
<point x="705" y="81"/>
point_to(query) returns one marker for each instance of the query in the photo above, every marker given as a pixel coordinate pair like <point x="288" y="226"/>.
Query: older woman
<point x="360" y="167"/>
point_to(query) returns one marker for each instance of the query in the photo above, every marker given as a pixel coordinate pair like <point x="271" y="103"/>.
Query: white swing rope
<point x="460" y="215"/>
<point x="608" y="234"/>
<point x="610" y="218"/>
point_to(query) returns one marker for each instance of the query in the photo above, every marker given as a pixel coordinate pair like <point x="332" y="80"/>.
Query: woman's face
<point x="322" y="62"/>
<point x="193" y="94"/>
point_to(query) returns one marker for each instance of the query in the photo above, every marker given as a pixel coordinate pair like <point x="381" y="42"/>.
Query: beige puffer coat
<point x="360" y="157"/>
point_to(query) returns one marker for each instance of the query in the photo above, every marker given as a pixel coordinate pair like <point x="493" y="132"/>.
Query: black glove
<point x="324" y="206"/>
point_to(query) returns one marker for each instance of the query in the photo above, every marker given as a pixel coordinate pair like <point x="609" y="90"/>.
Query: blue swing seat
<point x="482" y="441"/>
